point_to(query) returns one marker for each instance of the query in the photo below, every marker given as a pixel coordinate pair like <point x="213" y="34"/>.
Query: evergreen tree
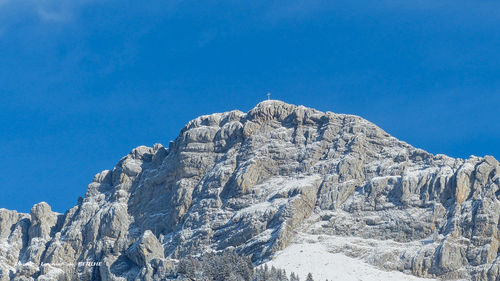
<point x="293" y="277"/>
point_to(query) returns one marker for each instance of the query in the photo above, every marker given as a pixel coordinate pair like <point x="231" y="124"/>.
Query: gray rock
<point x="146" y="249"/>
<point x="253" y="182"/>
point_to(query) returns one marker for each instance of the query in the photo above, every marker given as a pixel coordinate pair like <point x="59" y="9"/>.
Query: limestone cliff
<point x="253" y="181"/>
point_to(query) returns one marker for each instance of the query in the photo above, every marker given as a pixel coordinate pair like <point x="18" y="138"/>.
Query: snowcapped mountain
<point x="276" y="183"/>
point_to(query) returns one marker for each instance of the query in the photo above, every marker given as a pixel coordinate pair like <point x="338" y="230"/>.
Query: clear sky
<point x="82" y="82"/>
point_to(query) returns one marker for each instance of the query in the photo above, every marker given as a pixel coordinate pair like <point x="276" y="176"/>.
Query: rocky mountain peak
<point x="258" y="182"/>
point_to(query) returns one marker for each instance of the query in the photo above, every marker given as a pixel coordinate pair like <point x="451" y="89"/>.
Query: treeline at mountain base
<point x="228" y="266"/>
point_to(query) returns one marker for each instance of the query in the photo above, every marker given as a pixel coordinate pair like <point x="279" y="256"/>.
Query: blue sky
<point x="82" y="82"/>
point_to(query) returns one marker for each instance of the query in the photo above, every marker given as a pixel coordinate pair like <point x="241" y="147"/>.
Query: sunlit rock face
<point x="254" y="181"/>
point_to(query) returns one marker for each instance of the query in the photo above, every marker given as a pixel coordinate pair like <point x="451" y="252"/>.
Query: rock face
<point x="252" y="181"/>
<point x="146" y="249"/>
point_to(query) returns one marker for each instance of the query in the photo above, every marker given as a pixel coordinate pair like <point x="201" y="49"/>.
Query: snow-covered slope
<point x="253" y="182"/>
<point x="305" y="257"/>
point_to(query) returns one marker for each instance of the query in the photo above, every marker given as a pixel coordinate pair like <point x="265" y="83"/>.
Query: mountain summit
<point x="258" y="183"/>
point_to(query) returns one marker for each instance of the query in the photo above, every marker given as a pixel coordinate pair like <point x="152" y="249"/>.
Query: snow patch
<point x="305" y="257"/>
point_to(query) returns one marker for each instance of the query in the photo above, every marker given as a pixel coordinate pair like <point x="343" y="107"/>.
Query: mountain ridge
<point x="256" y="181"/>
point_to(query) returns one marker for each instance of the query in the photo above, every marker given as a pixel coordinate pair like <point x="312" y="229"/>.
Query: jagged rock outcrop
<point x="252" y="181"/>
<point x="146" y="249"/>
